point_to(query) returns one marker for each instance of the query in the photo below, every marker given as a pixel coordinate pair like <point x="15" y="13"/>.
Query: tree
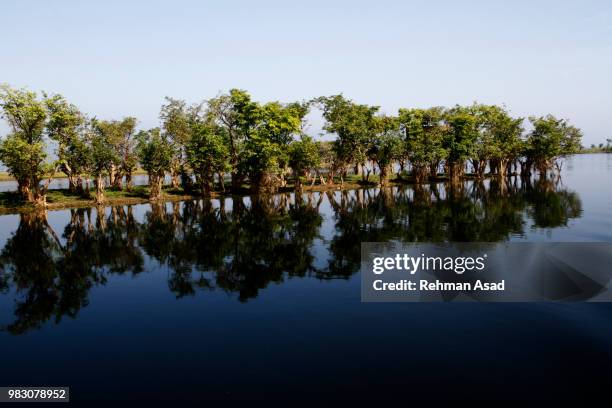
<point x="498" y="139"/>
<point x="266" y="147"/>
<point x="177" y="120"/>
<point x="207" y="155"/>
<point x="354" y="127"/>
<point x="23" y="151"/>
<point x="120" y="135"/>
<point x="67" y="127"/>
<point x="459" y="141"/>
<point x="155" y="153"/>
<point x="506" y="132"/>
<point x="424" y="133"/>
<point x="103" y="156"/>
<point x="303" y="157"/>
<point x="550" y="139"/>
<point x="239" y="116"/>
<point x="387" y="145"/>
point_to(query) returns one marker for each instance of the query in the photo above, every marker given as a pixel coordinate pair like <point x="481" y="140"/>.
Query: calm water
<point x="259" y="299"/>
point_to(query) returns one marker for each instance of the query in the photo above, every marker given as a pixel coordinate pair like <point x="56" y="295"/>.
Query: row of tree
<point x="265" y="145"/>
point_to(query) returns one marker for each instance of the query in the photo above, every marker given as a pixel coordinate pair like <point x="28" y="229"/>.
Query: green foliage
<point x="154" y="151"/>
<point x="24" y="161"/>
<point x="176" y="121"/>
<point x="424" y="132"/>
<point x="551" y="138"/>
<point x="119" y="134"/>
<point x="207" y="154"/>
<point x="68" y="127"/>
<point x="304" y="155"/>
<point x="462" y="134"/>
<point x="387" y="145"/>
<point x="102" y="152"/>
<point x="25" y="114"/>
<point x="353" y="124"/>
<point x="23" y="151"/>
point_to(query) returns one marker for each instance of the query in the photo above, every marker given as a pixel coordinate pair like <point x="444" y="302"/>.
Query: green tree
<point x="354" y="126"/>
<point x="498" y="140"/>
<point x="67" y="126"/>
<point x="120" y="135"/>
<point x="208" y="155"/>
<point x="303" y="157"/>
<point x="265" y="153"/>
<point x="103" y="157"/>
<point x="460" y="140"/>
<point x="387" y="146"/>
<point x="550" y="139"/>
<point x="177" y="119"/>
<point x="155" y="153"/>
<point x="239" y="116"/>
<point x="23" y="151"/>
<point x="424" y="132"/>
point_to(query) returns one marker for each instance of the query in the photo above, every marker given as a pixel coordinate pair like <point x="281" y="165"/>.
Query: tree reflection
<point x="241" y="245"/>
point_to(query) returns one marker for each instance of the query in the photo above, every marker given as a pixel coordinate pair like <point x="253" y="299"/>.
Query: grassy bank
<point x="11" y="202"/>
<point x="5" y="176"/>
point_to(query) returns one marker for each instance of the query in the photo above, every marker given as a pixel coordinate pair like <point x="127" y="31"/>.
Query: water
<point x="259" y="299"/>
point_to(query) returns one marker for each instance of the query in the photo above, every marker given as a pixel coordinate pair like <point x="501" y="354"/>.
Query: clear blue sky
<point x="118" y="58"/>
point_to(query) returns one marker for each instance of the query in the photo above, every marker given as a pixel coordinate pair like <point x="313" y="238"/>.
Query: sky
<point x="120" y="58"/>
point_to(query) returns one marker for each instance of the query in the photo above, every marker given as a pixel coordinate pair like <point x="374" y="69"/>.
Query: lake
<point x="245" y="298"/>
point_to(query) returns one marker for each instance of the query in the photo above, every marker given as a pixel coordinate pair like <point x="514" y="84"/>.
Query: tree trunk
<point x="236" y="182"/>
<point x="175" y="179"/>
<point x="186" y="181"/>
<point x="419" y="174"/>
<point x="155" y="186"/>
<point x="263" y="184"/>
<point x="129" y="183"/>
<point x="23" y="186"/>
<point x="79" y="186"/>
<point x="456" y="171"/>
<point x="221" y="177"/>
<point x="479" y="168"/>
<point x="72" y="182"/>
<point x="298" y="181"/>
<point x="384" y="175"/>
<point x="502" y="167"/>
<point x="99" y="189"/>
<point x="118" y="181"/>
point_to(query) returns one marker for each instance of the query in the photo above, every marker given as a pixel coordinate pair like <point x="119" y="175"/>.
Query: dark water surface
<point x="260" y="299"/>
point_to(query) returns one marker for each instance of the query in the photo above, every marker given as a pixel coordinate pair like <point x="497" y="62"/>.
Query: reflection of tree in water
<point x="472" y="212"/>
<point x="241" y="251"/>
<point x="53" y="277"/>
<point x="242" y="245"/>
